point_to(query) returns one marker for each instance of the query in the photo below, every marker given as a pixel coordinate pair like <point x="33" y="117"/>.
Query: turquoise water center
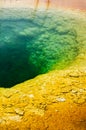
<point x="35" y="42"/>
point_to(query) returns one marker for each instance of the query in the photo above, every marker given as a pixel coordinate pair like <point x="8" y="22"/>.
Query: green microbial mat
<point x="33" y="43"/>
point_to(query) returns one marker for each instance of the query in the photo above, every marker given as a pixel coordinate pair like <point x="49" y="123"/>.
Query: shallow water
<point x="32" y="43"/>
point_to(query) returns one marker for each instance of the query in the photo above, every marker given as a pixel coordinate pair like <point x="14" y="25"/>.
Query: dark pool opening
<point x="29" y="47"/>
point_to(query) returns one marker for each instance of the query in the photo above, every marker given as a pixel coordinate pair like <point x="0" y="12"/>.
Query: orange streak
<point x="48" y="4"/>
<point x="36" y="4"/>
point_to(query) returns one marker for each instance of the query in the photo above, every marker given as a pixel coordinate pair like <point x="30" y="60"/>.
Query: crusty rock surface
<point x="52" y="101"/>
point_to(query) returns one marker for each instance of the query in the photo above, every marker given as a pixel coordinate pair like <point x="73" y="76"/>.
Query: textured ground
<point x="53" y="101"/>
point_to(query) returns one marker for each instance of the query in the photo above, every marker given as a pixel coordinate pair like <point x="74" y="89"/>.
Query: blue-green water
<point x="32" y="43"/>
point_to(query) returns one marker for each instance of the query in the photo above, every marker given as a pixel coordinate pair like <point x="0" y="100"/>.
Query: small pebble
<point x="61" y="99"/>
<point x="31" y="95"/>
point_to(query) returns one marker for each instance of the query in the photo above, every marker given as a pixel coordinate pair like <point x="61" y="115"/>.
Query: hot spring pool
<point x="33" y="43"/>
